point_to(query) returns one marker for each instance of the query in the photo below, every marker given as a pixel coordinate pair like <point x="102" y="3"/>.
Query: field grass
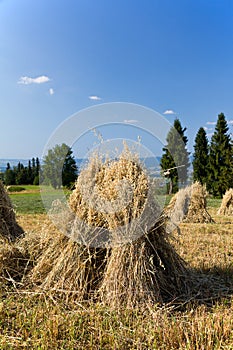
<point x="204" y="321"/>
<point x="30" y="201"/>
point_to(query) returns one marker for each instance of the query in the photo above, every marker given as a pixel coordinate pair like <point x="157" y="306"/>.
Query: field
<point x="201" y="321"/>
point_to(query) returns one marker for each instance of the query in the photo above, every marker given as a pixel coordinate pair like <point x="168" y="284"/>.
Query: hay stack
<point x="8" y="225"/>
<point x="197" y="212"/>
<point x="145" y="269"/>
<point x="188" y="205"/>
<point x="226" y="207"/>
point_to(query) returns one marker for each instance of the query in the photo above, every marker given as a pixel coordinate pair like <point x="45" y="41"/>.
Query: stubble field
<point x="201" y="320"/>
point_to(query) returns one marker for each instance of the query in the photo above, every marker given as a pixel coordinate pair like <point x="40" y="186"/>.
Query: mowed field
<point x="202" y="320"/>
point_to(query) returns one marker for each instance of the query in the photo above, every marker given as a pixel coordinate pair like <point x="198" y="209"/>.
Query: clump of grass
<point x="9" y="227"/>
<point x="226" y="207"/>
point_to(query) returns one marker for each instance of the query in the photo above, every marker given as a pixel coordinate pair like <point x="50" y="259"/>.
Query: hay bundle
<point x="145" y="269"/>
<point x="226" y="207"/>
<point x="8" y="225"/>
<point x="188" y="205"/>
<point x="197" y="212"/>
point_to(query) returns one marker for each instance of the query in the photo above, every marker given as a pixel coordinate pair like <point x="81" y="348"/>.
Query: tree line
<point x="23" y="175"/>
<point x="58" y="169"/>
<point x="212" y="161"/>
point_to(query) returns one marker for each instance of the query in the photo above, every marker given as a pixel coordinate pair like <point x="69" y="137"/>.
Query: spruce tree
<point x="200" y="157"/>
<point x="175" y="156"/>
<point x="220" y="175"/>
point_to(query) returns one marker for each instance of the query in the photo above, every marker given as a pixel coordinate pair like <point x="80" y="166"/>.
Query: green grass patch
<point x="30" y="201"/>
<point x="214" y="202"/>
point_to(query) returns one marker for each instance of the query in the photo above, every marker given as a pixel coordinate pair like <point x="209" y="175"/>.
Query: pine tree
<point x="9" y="175"/>
<point x="220" y="175"/>
<point x="200" y="157"/>
<point x="176" y="156"/>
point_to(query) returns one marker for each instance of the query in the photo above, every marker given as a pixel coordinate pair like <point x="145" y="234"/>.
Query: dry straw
<point x="226" y="207"/>
<point x="8" y="224"/>
<point x="14" y="266"/>
<point x="144" y="269"/>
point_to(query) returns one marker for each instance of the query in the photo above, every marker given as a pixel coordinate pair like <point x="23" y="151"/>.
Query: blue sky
<point x="59" y="57"/>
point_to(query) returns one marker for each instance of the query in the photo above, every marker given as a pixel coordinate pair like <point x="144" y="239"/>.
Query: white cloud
<point x="130" y="121"/>
<point x="169" y="111"/>
<point x="51" y="91"/>
<point x="207" y="129"/>
<point x="38" y="80"/>
<point x="94" y="98"/>
<point x="230" y="122"/>
<point x="210" y="123"/>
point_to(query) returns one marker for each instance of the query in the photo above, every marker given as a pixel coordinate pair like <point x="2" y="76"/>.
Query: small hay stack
<point x="226" y="207"/>
<point x="132" y="265"/>
<point x="188" y="205"/>
<point x="8" y="225"/>
<point x="197" y="212"/>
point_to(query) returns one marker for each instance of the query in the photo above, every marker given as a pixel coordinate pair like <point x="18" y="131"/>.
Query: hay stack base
<point x="226" y="207"/>
<point x="146" y="271"/>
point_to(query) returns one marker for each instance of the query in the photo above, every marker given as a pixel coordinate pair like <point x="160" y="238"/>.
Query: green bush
<point x="15" y="188"/>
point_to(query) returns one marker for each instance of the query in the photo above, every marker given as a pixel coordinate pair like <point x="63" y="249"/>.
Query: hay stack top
<point x="110" y="193"/>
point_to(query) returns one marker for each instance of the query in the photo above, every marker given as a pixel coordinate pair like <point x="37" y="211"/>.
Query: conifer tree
<point x="200" y="157"/>
<point x="220" y="174"/>
<point x="175" y="156"/>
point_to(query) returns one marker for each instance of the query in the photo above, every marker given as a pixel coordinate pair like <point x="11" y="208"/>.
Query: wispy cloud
<point x="230" y="121"/>
<point x="130" y="121"/>
<point x="210" y="123"/>
<point x="94" y="98"/>
<point x="207" y="129"/>
<point x="169" y="111"/>
<point x="38" y="80"/>
<point x="51" y="91"/>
